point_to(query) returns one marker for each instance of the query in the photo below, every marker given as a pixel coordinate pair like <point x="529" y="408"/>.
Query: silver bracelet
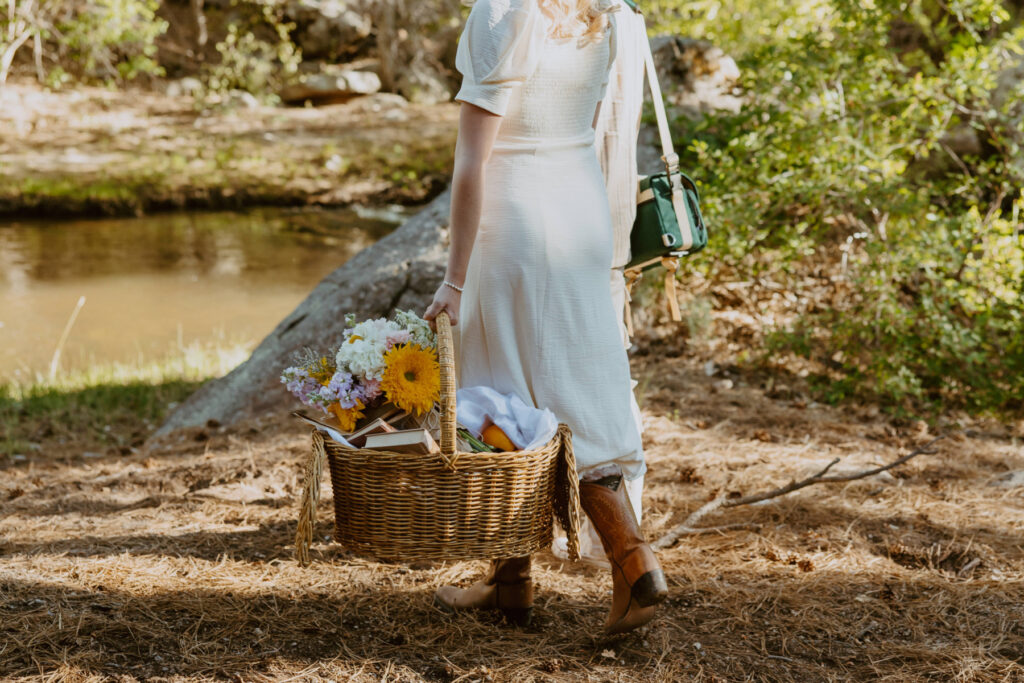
<point x="453" y="286"/>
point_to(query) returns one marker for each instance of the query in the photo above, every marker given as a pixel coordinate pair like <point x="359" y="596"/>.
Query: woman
<point x="527" y="284"/>
<point x="616" y="133"/>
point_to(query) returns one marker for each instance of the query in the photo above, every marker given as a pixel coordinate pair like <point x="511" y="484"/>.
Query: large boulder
<point x="696" y="77"/>
<point x="332" y="84"/>
<point x="423" y="83"/>
<point x="329" y="29"/>
<point x="1008" y="99"/>
<point x="415" y="47"/>
<point x="401" y="271"/>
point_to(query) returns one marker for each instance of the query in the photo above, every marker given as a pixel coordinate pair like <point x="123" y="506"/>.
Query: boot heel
<point x="515" y="602"/>
<point x="650" y="589"/>
<point x="517" y="616"/>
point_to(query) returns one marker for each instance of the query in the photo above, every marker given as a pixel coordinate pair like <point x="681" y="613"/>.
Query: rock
<point x="400" y="271"/>
<point x="241" y="98"/>
<point x="1011" y="480"/>
<point x="183" y="87"/>
<point x="331" y="86"/>
<point x="329" y="29"/>
<point x="423" y="85"/>
<point x="415" y="45"/>
<point x="1008" y="97"/>
<point x="981" y="137"/>
<point x="381" y="102"/>
<point x="696" y="76"/>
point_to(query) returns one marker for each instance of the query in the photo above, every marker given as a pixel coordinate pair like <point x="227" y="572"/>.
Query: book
<point x="388" y="412"/>
<point x="403" y="441"/>
<point x="318" y="423"/>
<point x="377" y="426"/>
<point x="333" y="430"/>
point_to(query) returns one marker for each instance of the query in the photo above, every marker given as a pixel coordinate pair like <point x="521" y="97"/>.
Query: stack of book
<point x="382" y="433"/>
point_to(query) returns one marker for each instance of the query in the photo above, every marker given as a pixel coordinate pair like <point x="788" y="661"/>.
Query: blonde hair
<point x="586" y="20"/>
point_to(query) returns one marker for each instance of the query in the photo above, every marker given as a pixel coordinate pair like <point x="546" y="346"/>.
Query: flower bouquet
<point x="378" y="361"/>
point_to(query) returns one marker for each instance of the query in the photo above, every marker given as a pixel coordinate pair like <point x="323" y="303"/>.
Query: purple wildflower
<point x="342" y="388"/>
<point x="301" y="385"/>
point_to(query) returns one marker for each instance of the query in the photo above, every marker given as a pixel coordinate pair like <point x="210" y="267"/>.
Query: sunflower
<point x="412" y="378"/>
<point x="347" y="418"/>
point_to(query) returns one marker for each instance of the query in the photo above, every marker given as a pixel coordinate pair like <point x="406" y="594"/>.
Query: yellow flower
<point x="347" y="418"/>
<point x="322" y="371"/>
<point x="412" y="377"/>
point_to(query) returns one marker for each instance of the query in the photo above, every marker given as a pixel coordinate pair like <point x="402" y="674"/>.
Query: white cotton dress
<point x="537" y="317"/>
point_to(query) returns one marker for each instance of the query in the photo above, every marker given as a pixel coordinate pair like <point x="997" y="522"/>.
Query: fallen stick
<point x="689" y="528"/>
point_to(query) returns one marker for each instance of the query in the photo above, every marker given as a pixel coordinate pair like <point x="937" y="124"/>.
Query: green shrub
<point x="252" y="63"/>
<point x="107" y="40"/>
<point x="841" y="160"/>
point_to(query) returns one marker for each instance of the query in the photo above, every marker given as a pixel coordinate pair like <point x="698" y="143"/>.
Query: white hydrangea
<point x="418" y="327"/>
<point x="363" y="351"/>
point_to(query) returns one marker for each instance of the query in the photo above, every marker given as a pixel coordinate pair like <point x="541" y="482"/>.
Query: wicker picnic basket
<point x="449" y="505"/>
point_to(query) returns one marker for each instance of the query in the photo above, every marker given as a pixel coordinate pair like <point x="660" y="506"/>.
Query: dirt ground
<point x="177" y="564"/>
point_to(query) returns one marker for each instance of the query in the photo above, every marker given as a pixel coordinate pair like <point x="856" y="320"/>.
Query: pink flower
<point x="399" y="337"/>
<point x="370" y="390"/>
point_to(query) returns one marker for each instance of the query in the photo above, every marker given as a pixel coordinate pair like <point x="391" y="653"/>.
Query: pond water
<point x="160" y="282"/>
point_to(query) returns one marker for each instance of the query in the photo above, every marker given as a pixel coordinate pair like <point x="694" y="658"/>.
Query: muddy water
<point x="162" y="282"/>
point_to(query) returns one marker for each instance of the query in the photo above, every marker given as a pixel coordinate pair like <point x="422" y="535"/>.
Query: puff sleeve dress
<point x="537" y="317"/>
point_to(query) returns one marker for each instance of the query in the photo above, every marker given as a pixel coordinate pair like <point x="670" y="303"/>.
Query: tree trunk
<point x="7" y="58"/>
<point x="201" y="35"/>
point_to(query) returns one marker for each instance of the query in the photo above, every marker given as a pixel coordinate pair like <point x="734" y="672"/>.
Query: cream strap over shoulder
<point x="671" y="160"/>
<point x="668" y="151"/>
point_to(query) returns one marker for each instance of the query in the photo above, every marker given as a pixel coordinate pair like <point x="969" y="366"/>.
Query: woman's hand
<point x="445" y="299"/>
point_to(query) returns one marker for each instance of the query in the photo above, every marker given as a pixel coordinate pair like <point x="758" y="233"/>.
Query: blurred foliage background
<point x="873" y="173"/>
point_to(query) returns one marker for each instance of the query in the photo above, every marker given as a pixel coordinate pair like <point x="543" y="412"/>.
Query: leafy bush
<point x="109" y="40"/>
<point x="253" y="63"/>
<point x="844" y="157"/>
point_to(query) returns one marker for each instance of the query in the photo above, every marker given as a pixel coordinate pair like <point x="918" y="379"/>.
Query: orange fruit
<point x="494" y="436"/>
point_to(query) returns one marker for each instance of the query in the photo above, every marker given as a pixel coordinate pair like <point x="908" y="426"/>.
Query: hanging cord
<point x="310" y="497"/>
<point x="671" y="264"/>
<point x="631" y="278"/>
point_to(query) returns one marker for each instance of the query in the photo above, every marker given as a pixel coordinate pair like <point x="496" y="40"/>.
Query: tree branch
<point x="689" y="528"/>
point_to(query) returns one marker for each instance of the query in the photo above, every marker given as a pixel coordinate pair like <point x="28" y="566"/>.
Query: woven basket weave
<point x="449" y="505"/>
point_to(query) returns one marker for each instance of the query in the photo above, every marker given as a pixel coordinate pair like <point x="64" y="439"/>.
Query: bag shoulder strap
<point x="668" y="151"/>
<point x="671" y="160"/>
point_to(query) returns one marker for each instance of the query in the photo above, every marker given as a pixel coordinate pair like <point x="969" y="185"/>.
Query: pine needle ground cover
<point x="176" y="564"/>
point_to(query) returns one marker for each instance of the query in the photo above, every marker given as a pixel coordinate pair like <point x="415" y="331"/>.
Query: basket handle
<point x="446" y="360"/>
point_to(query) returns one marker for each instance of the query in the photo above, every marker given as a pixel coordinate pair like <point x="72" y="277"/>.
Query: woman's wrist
<point x="452" y="285"/>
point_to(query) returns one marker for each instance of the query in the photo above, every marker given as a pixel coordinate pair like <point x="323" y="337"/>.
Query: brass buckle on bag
<point x="671" y="162"/>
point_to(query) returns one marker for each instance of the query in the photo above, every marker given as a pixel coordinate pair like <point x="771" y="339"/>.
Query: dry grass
<point x="177" y="565"/>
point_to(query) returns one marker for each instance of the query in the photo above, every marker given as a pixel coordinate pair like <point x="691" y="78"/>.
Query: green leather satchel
<point x="669" y="223"/>
<point x="668" y="220"/>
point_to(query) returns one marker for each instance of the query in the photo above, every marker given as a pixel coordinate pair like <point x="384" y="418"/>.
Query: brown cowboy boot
<point x="506" y="587"/>
<point x="638" y="582"/>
